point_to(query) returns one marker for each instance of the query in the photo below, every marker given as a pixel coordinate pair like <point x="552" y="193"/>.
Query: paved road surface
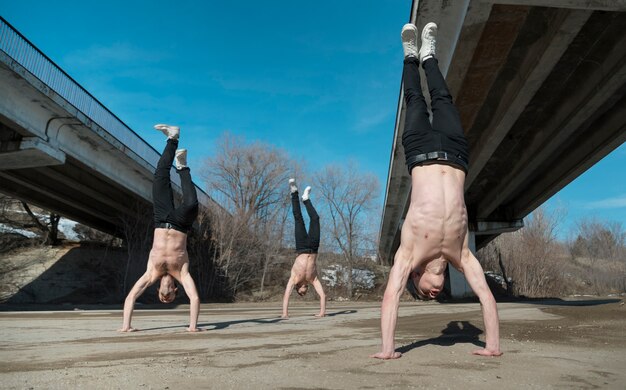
<point x="547" y="344"/>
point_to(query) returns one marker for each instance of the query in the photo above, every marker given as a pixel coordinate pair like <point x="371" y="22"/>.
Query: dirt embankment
<point x="71" y="273"/>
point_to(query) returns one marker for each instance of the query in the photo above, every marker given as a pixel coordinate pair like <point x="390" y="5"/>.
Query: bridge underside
<point x="65" y="185"/>
<point x="541" y="93"/>
<point x="52" y="155"/>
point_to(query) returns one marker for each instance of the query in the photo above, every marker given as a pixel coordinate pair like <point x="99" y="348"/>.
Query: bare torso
<point x="436" y="223"/>
<point x="169" y="253"/>
<point x="435" y="233"/>
<point x="304" y="269"/>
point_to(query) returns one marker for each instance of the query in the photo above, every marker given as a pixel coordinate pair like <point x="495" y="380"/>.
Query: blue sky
<point x="319" y="79"/>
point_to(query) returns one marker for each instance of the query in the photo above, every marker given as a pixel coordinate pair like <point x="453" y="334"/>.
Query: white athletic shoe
<point x="180" y="159"/>
<point x="292" y="186"/>
<point x="429" y="41"/>
<point x="409" y="40"/>
<point x="307" y="193"/>
<point x="170" y="131"/>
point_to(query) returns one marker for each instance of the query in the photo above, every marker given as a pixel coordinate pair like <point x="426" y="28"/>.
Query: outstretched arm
<point x="320" y="291"/>
<point x="194" y="300"/>
<point x="475" y="276"/>
<point x="140" y="286"/>
<point x="290" y="285"/>
<point x="389" y="311"/>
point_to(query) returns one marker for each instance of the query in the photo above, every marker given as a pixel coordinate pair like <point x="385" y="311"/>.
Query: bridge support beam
<point x="459" y="288"/>
<point x="458" y="285"/>
<point x="32" y="152"/>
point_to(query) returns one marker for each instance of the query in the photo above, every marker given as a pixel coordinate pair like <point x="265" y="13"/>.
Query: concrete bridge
<point x="61" y="149"/>
<point x="540" y="86"/>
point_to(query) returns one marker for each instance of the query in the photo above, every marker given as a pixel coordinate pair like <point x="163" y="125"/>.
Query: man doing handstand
<point x="303" y="271"/>
<point x="435" y="231"/>
<point x="168" y="258"/>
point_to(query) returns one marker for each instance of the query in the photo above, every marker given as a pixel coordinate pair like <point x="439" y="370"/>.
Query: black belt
<point x="167" y="225"/>
<point x="436" y="156"/>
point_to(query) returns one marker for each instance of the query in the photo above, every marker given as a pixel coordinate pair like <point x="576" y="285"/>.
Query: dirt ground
<point x="577" y="343"/>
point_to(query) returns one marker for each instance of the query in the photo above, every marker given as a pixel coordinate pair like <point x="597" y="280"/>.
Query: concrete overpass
<point x="540" y="86"/>
<point x="61" y="149"/>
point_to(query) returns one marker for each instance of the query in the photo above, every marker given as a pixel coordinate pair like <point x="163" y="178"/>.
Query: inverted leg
<point x="417" y="129"/>
<point x="162" y="196"/>
<point x="446" y="118"/>
<point x="186" y="213"/>
<point x="302" y="239"/>
<point x="314" y="226"/>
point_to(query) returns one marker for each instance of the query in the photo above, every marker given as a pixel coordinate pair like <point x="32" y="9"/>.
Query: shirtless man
<point x="303" y="271"/>
<point x="168" y="259"/>
<point x="435" y="229"/>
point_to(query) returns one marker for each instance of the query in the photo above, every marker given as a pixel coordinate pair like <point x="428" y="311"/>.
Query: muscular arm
<point x="476" y="279"/>
<point x="145" y="281"/>
<point x="194" y="300"/>
<point x="320" y="291"/>
<point x="389" y="311"/>
<point x="290" y="285"/>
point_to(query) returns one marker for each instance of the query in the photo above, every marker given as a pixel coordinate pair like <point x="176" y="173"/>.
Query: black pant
<point x="446" y="133"/>
<point x="305" y="242"/>
<point x="163" y="197"/>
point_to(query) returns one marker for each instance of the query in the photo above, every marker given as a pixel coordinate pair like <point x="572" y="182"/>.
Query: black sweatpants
<point x="305" y="242"/>
<point x="446" y="133"/>
<point x="181" y="217"/>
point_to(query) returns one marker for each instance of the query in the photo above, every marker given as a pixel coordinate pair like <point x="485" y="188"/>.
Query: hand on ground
<point x="386" y="356"/>
<point x="486" y="352"/>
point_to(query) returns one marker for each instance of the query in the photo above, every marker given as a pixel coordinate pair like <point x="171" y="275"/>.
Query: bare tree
<point x="349" y="197"/>
<point x="599" y="240"/>
<point x="272" y="234"/>
<point x="202" y="250"/>
<point x="138" y="230"/>
<point x="250" y="181"/>
<point x="530" y="256"/>
<point x="19" y="215"/>
<point x="600" y="249"/>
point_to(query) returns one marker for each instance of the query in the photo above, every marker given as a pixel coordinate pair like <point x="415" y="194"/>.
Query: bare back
<point x="436" y="223"/>
<point x="304" y="269"/>
<point x="169" y="252"/>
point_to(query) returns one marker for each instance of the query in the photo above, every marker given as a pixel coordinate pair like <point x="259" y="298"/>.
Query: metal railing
<point x="21" y="50"/>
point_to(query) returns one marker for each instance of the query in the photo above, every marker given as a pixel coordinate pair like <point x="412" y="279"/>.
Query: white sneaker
<point x="180" y="159"/>
<point x="429" y="41"/>
<point x="292" y="186"/>
<point x="307" y="193"/>
<point x="409" y="40"/>
<point x="170" y="131"/>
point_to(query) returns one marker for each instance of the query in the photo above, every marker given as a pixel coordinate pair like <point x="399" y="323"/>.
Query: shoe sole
<point x="409" y="30"/>
<point x="427" y="28"/>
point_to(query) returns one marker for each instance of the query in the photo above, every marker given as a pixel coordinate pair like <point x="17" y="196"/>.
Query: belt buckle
<point x="442" y="156"/>
<point x="168" y="225"/>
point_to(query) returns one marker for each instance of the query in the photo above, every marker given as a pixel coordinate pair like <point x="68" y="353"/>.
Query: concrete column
<point x="458" y="285"/>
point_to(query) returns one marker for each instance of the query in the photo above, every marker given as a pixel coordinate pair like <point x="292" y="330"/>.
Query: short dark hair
<point x="412" y="288"/>
<point x="297" y="288"/>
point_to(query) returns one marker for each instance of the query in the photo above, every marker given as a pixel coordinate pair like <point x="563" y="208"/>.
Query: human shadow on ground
<point x="539" y="301"/>
<point x="218" y="325"/>
<point x="455" y="332"/>
<point x="562" y="302"/>
<point x="341" y="313"/>
<point x="208" y="326"/>
<point x="226" y="324"/>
